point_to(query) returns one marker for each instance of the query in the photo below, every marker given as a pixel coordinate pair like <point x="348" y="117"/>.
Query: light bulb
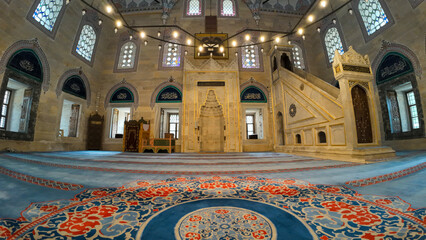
<point x="275" y="46"/>
<point x="223" y="54"/>
<point x="262" y="38"/>
<point x="234" y="43"/>
<point x="221" y="49"/>
<point x="334" y="21"/>
<point x="159" y="46"/>
<point x="189" y="42"/>
<point x="186" y="52"/>
<point x="311" y="18"/>
<point x="277" y="39"/>
<point x="247" y="37"/>
<point x="261" y="49"/>
<point x="115" y="30"/>
<point x="350" y="11"/>
<point x="318" y="29"/>
<point x="67" y="2"/>
<point x="100" y="21"/>
<point x="300" y="31"/>
<point x="158" y="33"/>
<point x="109" y="9"/>
<point x="175" y="34"/>
<point x="236" y="53"/>
<point x="323" y="3"/>
<point x="118" y="23"/>
<point x="289" y="42"/>
<point x="143" y="34"/>
<point x="303" y="37"/>
<point x="130" y="37"/>
<point x="200" y="48"/>
<point x="83" y="12"/>
<point x="145" y="42"/>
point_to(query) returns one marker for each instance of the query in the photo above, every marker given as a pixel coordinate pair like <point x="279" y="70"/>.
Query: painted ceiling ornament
<point x="292" y="110"/>
<point x="26" y="65"/>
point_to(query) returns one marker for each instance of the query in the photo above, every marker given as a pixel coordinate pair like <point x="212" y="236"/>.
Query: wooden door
<point x="94" y="132"/>
<point x="362" y="115"/>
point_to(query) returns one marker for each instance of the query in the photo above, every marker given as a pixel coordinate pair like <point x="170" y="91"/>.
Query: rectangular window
<point x="411" y="100"/>
<point x="118" y="116"/>
<point x="174" y="124"/>
<point x="5" y="109"/>
<point x="250" y="125"/>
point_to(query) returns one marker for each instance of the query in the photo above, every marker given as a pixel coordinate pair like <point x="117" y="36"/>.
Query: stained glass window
<point x="86" y="43"/>
<point x="193" y="8"/>
<point x="250" y="56"/>
<point x="127" y="55"/>
<point x="47" y="12"/>
<point x="228" y="8"/>
<point x="298" y="57"/>
<point x="171" y="55"/>
<point x="333" y="42"/>
<point x="373" y="15"/>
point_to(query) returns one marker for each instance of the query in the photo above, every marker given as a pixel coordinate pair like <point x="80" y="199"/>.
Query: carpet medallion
<point x="192" y="208"/>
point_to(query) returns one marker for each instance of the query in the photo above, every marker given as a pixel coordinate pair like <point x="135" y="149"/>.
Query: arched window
<point x="127" y="56"/>
<point x="227" y="8"/>
<point x="171" y="55"/>
<point x="298" y="60"/>
<point x="373" y="15"/>
<point x="250" y="56"/>
<point x="332" y="42"/>
<point x="46" y="13"/>
<point x="86" y="42"/>
<point x="193" y="8"/>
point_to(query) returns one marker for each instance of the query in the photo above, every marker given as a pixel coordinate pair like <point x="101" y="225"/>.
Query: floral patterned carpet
<point x="192" y="208"/>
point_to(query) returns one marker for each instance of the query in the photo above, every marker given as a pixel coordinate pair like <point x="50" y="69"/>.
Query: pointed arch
<point x="70" y="73"/>
<point x="259" y="86"/>
<point x="33" y="45"/>
<point x="160" y="87"/>
<point x="123" y="85"/>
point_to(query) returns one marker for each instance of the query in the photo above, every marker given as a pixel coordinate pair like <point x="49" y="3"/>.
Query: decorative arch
<point x="159" y="88"/>
<point x="33" y="45"/>
<point x="70" y="73"/>
<point x="122" y="85"/>
<point x="388" y="47"/>
<point x="256" y="85"/>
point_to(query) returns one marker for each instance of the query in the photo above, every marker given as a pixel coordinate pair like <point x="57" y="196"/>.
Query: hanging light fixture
<point x="318" y="29"/>
<point x="100" y="21"/>
<point x="262" y="38"/>
<point x="145" y="42"/>
<point x="143" y="34"/>
<point x="221" y="49"/>
<point x="83" y="12"/>
<point x="247" y="37"/>
<point x="323" y="3"/>
<point x="131" y="37"/>
<point x="189" y="42"/>
<point x="200" y="48"/>
<point x="67" y="2"/>
<point x="311" y="18"/>
<point x="334" y="21"/>
<point x="277" y="39"/>
<point x="350" y="11"/>
<point x="234" y="43"/>
<point x="175" y="34"/>
<point x="186" y="52"/>
<point x="158" y="34"/>
<point x="300" y="31"/>
<point x="159" y="46"/>
<point x="108" y="9"/>
<point x="115" y="30"/>
<point x="118" y="23"/>
<point x="303" y="37"/>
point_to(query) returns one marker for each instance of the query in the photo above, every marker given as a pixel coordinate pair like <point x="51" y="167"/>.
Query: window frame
<point x="176" y="133"/>
<point x="51" y="34"/>
<point x="219" y="8"/>
<point x="160" y="59"/>
<point x="328" y="25"/>
<point x="259" y="54"/>
<point x="124" y="40"/>
<point x="409" y="109"/>
<point x="367" y="38"/>
<point x="8" y="108"/>
<point x="253" y="123"/>
<point x="186" y="6"/>
<point x="91" y="19"/>
<point x="302" y="55"/>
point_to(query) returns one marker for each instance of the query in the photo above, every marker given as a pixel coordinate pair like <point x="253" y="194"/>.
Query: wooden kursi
<point x="137" y="138"/>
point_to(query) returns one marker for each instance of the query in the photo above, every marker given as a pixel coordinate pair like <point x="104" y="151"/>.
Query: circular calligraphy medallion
<point x="224" y="223"/>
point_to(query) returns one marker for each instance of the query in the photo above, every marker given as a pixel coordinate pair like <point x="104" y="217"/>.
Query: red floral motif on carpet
<point x="79" y="223"/>
<point x="4" y="232"/>
<point x="279" y="190"/>
<point x="157" y="192"/>
<point x="217" y="184"/>
<point x="357" y="214"/>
